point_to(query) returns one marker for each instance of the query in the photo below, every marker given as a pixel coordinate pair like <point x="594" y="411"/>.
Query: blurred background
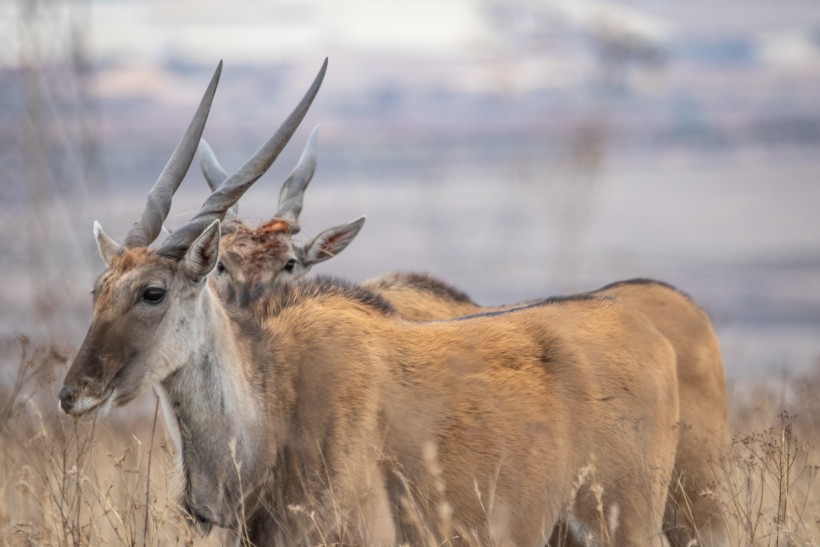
<point x="513" y="148"/>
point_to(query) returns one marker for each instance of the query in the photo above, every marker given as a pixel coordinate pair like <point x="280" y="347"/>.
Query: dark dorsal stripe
<point x="427" y="283"/>
<point x="551" y="301"/>
<point x="642" y="281"/>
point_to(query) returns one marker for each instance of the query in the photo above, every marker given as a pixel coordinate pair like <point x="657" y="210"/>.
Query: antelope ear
<point x="105" y="244"/>
<point x="330" y="242"/>
<point x="203" y="254"/>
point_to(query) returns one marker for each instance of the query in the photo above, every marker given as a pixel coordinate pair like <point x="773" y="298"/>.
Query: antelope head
<point x="149" y="304"/>
<point x="268" y="254"/>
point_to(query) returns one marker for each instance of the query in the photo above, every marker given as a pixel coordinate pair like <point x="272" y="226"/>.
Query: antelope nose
<point x="68" y="396"/>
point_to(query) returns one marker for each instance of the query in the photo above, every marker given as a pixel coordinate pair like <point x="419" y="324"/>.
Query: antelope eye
<point x="220" y="267"/>
<point x="289" y="265"/>
<point x="153" y="295"/>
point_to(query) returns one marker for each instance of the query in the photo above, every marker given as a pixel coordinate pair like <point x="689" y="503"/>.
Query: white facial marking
<point x="84" y="404"/>
<point x="87" y="404"/>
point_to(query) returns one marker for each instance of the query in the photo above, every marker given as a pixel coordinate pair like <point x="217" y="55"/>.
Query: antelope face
<point x="268" y="255"/>
<point x="256" y="257"/>
<point x="143" y="325"/>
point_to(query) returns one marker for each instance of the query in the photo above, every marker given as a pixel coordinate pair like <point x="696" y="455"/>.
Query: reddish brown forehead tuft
<point x="130" y="258"/>
<point x="274" y="226"/>
<point x="133" y="265"/>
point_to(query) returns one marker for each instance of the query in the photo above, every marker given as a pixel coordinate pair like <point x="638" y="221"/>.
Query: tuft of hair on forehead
<point x="130" y="258"/>
<point x="270" y="231"/>
<point x="127" y="261"/>
<point x="274" y="226"/>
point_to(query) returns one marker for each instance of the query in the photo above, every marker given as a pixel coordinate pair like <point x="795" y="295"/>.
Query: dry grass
<point x="768" y="482"/>
<point x="79" y="482"/>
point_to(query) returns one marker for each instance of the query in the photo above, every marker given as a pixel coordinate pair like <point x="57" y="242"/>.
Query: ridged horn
<point x="158" y="203"/>
<point x="238" y="183"/>
<point x="213" y="171"/>
<point x="292" y="193"/>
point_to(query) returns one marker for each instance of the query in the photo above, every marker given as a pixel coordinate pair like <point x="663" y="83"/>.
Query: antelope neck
<point x="214" y="417"/>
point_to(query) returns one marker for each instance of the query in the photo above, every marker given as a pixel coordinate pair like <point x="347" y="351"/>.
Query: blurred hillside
<point x="515" y="149"/>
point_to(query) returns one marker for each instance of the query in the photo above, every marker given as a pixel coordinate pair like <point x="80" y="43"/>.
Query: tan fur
<point x="416" y="301"/>
<point x="345" y="417"/>
<point x="704" y="433"/>
<point x="692" y="512"/>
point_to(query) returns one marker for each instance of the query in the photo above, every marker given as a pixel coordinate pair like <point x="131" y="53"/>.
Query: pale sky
<point x="264" y="31"/>
<point x="271" y="30"/>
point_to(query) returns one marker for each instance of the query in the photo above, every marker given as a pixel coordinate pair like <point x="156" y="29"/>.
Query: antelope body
<point x="691" y="513"/>
<point x="316" y="414"/>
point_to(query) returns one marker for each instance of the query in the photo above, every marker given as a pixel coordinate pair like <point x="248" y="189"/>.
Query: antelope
<point x="691" y="513"/>
<point x="314" y="413"/>
<point x="268" y="253"/>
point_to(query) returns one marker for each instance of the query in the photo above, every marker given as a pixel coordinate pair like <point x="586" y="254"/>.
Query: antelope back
<point x="421" y="297"/>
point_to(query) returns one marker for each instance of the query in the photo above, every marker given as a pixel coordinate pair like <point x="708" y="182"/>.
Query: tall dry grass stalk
<point x="68" y="482"/>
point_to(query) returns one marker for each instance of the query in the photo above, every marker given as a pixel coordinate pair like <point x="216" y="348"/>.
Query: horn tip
<point x="313" y="140"/>
<point x="217" y="73"/>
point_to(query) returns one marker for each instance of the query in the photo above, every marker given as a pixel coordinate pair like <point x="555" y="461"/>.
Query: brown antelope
<point x="315" y="414"/>
<point x="692" y="513"/>
<point x="268" y="253"/>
